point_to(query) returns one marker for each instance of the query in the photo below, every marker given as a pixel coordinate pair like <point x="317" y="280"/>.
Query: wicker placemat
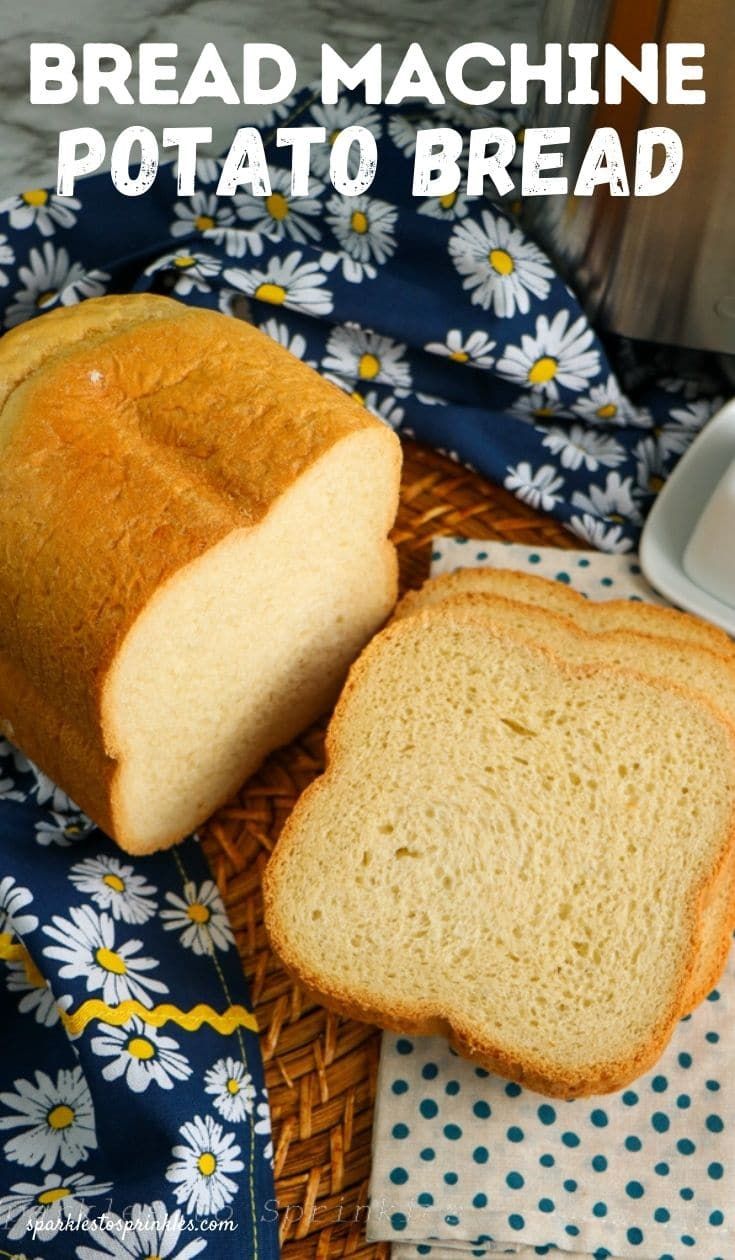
<point x="321" y="1068"/>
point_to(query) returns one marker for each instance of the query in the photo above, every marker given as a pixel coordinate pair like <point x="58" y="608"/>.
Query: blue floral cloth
<point x="131" y="1086"/>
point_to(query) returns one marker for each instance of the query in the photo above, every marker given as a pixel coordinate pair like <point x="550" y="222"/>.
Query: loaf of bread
<point x="193" y="548"/>
<point x="515" y="852"/>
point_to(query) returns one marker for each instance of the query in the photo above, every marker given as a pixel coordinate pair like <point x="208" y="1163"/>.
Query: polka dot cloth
<point x="466" y="1163"/>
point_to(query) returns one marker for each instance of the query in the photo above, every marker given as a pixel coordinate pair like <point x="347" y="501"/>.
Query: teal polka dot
<point x="659" y="1084"/>
<point x="687" y="1240"/>
<point x="481" y="1155"/>
<point x="427" y="1154"/>
<point x="546" y="1114"/>
<point x="398" y="1221"/>
<point x="423" y="1250"/>
<point x="660" y="1121"/>
<point x="570" y="1186"/>
<point x="662" y="1170"/>
<point x="634" y="568"/>
<point x="570" y="1139"/>
<point x="450" y="1219"/>
<point x="685" y="1146"/>
<point x="583" y="563"/>
<point x="683" y="1102"/>
<point x="515" y="1221"/>
<point x="685" y="1060"/>
<point x="547" y="1161"/>
<point x="716" y="1218"/>
<point x="513" y="1090"/>
<point x="602" y="1253"/>
<point x="599" y="1118"/>
<point x="715" y="1171"/>
<point x="404" y="1046"/>
<point x="713" y="1086"/>
<point x="482" y="1110"/>
<point x="479" y="1201"/>
<point x="634" y="1190"/>
<point x="428" y="1108"/>
<point x="399" y="1087"/>
<point x="662" y="1215"/>
<point x="712" y="1038"/>
<point x="452" y="1088"/>
<point x="481" y="1072"/>
<point x="452" y="1132"/>
<point x="534" y="558"/>
<point x="715" y="1124"/>
<point x="563" y="577"/>
<point x="572" y="1230"/>
<point x="606" y="581"/>
<point x="451" y="1178"/>
<point x="429" y="1071"/>
<point x="459" y="539"/>
<point x="436" y="555"/>
<point x="515" y="1181"/>
<point x="425" y="1199"/>
<point x="599" y="1210"/>
<point x="714" y="996"/>
<point x="400" y="1131"/>
<point x="399" y="1176"/>
<point x="546" y="1205"/>
<point x="635" y="1236"/>
<point x="599" y="1163"/>
<point x="633" y="1143"/>
<point x="514" y="1134"/>
<point x="686" y="1193"/>
<point x="630" y="1098"/>
<point x="481" y="555"/>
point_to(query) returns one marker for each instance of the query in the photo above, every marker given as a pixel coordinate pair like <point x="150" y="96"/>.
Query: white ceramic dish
<point x="676" y="512"/>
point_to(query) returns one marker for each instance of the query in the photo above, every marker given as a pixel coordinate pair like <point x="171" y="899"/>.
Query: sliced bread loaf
<point x="193" y="548"/>
<point x="514" y="851"/>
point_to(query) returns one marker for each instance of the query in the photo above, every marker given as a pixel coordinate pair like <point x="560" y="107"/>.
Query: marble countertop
<point x="28" y="153"/>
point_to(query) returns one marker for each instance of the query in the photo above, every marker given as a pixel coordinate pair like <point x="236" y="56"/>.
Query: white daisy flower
<point x="601" y="535"/>
<point x="23" y="977"/>
<point x="49" y="1205"/>
<point x="291" y="341"/>
<point x="676" y="434"/>
<point x="356" y="352"/>
<point x="9" y="792"/>
<point x="193" y="270"/>
<point x="403" y="134"/>
<point x="206" y="170"/>
<point x="86" y="947"/>
<point x="56" y="1120"/>
<point x="538" y="489"/>
<point x="557" y="355"/>
<point x="236" y="241"/>
<point x="536" y="407"/>
<point x="235" y="304"/>
<point x="44" y="789"/>
<point x="7" y="257"/>
<point x="148" y="1230"/>
<point x="62" y="829"/>
<point x="615" y="503"/>
<point x="44" y="209"/>
<point x="364" y="228"/>
<point x="651" y="467"/>
<point x="501" y="268"/>
<point x="200" y="917"/>
<point x="201" y="213"/>
<point x="51" y="277"/>
<point x="201" y="1164"/>
<point x="334" y="119"/>
<point x="279" y="216"/>
<point x="13" y="901"/>
<point x="288" y="281"/>
<point x="449" y="206"/>
<point x="231" y="1087"/>
<point x="607" y="402"/>
<point x="474" y="349"/>
<point x="385" y="407"/>
<point x="578" y="447"/>
<point x="140" y="1054"/>
<point x="690" y="387"/>
<point x="263" y="1128"/>
<point x="115" y="887"/>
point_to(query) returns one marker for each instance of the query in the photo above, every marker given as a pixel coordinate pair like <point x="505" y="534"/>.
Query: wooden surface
<point x="320" y="1068"/>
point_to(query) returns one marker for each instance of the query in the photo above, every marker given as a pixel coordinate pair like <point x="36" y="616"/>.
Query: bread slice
<point x="193" y="548"/>
<point x="696" y="668"/>
<point x="514" y="852"/>
<point x="591" y="615"/>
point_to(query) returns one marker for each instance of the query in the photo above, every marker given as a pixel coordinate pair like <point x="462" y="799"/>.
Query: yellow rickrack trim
<point x="225" y="1022"/>
<point x="10" y="951"/>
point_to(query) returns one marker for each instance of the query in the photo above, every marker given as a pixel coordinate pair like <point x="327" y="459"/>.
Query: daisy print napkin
<point x="468" y="1164"/>
<point x="133" y="1114"/>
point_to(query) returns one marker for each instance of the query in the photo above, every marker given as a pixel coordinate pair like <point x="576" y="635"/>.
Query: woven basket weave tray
<point x="321" y="1068"/>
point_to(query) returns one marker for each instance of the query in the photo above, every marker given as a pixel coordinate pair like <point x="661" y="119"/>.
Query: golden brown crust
<point x="602" y="1078"/>
<point x="135" y="434"/>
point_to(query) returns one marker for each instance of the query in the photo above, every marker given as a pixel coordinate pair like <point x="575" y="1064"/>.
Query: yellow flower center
<point x="206" y="1163"/>
<point x="141" y="1048"/>
<point x="199" y="913"/>
<point x="447" y="201"/>
<point x="184" y="260"/>
<point x="273" y="293"/>
<point x="52" y="1196"/>
<point x="368" y="367"/>
<point x="333" y="135"/>
<point x="459" y="356"/>
<point x="356" y="397"/>
<point x="359" y="222"/>
<point x="607" y="411"/>
<point x="501" y="261"/>
<point x="544" y="369"/>
<point x="61" y="1116"/>
<point x="615" y="516"/>
<point x="110" y="960"/>
<point x="655" y="483"/>
<point x="114" y="882"/>
<point x="45" y="299"/>
<point x="35" y="197"/>
<point x="233" y="1086"/>
<point x="277" y="206"/>
<point x="203" y="222"/>
<point x="543" y="413"/>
